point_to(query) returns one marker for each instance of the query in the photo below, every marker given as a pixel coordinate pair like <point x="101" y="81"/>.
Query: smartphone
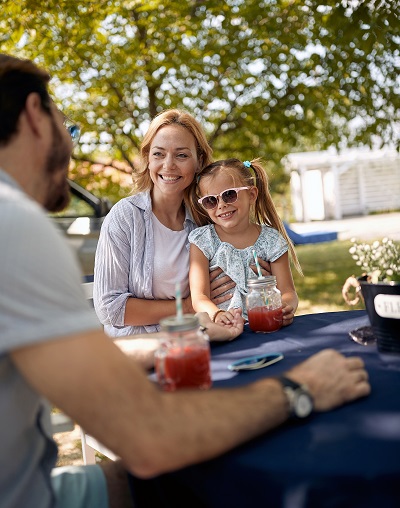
<point x="256" y="362"/>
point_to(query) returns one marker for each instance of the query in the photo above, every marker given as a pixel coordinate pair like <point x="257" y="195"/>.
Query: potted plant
<point x="379" y="286"/>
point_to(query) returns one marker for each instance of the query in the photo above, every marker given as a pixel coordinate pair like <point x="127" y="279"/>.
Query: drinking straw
<point x="257" y="264"/>
<point x="178" y="298"/>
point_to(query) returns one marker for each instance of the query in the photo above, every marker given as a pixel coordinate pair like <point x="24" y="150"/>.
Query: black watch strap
<point x="289" y="382"/>
<point x="299" y="398"/>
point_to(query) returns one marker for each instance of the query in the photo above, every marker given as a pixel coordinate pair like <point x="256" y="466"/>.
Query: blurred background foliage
<point x="264" y="77"/>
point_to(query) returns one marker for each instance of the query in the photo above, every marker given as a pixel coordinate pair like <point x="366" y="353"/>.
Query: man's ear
<point x="34" y="112"/>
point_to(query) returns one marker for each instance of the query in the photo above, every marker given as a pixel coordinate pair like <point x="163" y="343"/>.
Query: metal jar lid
<point x="261" y="281"/>
<point x="175" y="324"/>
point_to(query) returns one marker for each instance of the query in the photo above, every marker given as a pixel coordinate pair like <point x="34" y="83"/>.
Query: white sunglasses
<point x="228" y="196"/>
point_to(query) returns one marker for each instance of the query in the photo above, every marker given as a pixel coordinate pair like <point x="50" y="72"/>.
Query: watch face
<point x="303" y="405"/>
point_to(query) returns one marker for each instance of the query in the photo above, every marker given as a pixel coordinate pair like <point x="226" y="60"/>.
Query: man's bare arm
<point x="90" y="379"/>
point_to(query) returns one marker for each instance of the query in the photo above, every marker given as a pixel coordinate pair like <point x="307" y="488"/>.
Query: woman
<point x="143" y="245"/>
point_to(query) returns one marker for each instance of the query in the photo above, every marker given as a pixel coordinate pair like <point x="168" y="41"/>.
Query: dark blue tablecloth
<point x="349" y="457"/>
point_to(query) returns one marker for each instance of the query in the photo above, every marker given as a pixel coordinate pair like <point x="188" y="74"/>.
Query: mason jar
<point x="183" y="358"/>
<point x="264" y="304"/>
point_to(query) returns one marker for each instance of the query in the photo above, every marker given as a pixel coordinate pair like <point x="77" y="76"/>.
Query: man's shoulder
<point x="27" y="230"/>
<point x="18" y="210"/>
<point x="11" y="195"/>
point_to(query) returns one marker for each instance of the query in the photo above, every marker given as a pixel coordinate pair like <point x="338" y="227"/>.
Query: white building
<point x="332" y="185"/>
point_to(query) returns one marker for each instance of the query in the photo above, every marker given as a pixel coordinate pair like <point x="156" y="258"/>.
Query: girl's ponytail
<point x="265" y="211"/>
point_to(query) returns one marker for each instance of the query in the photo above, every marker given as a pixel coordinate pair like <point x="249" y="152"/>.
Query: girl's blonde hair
<point x="141" y="176"/>
<point x="246" y="174"/>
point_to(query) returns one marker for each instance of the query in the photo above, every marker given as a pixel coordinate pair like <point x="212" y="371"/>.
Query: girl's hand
<point x="224" y="318"/>
<point x="219" y="332"/>
<point x="219" y="286"/>
<point x="287" y="313"/>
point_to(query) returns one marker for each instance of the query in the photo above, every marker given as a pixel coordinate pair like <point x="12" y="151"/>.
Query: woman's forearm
<point x="140" y="312"/>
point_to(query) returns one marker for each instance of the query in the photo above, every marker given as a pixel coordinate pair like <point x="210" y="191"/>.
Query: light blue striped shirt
<point x="124" y="262"/>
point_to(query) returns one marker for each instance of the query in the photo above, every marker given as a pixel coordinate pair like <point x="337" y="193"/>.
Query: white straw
<point x="257" y="264"/>
<point x="178" y="298"/>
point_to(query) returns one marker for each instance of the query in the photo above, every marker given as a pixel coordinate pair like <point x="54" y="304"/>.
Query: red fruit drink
<point x="185" y="367"/>
<point x="262" y="319"/>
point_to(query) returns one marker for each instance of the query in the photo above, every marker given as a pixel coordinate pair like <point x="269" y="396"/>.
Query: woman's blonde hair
<point x="248" y="174"/>
<point x="141" y="176"/>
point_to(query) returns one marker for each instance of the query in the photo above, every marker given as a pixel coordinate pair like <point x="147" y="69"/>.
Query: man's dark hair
<point x="18" y="79"/>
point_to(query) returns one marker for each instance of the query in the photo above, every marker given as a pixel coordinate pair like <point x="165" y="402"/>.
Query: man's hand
<point x="220" y="332"/>
<point x="332" y="379"/>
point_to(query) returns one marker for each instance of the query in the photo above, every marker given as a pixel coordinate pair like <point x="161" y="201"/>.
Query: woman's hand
<point x="264" y="265"/>
<point x="219" y="286"/>
<point x="221" y="332"/>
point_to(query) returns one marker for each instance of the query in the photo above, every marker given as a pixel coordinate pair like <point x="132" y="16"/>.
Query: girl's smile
<point x="216" y="190"/>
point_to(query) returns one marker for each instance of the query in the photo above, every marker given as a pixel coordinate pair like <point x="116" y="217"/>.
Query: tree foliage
<point x="265" y="77"/>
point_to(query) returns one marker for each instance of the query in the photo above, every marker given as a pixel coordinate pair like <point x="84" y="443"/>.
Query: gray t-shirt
<point x="41" y="299"/>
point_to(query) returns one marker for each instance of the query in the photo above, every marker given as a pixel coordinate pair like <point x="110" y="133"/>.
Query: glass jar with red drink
<point x="183" y="358"/>
<point x="264" y="304"/>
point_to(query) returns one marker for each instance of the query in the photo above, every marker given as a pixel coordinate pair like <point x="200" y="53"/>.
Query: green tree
<point x="265" y="77"/>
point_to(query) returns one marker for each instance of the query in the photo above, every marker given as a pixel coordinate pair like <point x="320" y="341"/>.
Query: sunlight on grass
<point x="326" y="267"/>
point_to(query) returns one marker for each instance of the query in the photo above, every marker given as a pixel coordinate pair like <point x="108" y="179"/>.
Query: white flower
<point x="374" y="276"/>
<point x="380" y="260"/>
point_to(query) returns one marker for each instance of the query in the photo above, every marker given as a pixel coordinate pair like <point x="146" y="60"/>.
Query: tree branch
<point x="118" y="165"/>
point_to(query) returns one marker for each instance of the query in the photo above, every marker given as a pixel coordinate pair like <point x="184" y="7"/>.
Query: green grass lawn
<point x="326" y="267"/>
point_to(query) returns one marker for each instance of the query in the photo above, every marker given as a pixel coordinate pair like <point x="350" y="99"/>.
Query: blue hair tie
<point x="247" y="164"/>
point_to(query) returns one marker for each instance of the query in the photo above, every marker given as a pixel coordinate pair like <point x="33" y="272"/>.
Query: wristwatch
<point x="299" y="398"/>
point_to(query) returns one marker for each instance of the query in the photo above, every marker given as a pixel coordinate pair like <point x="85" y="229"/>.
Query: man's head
<point x="18" y="79"/>
<point x="24" y="87"/>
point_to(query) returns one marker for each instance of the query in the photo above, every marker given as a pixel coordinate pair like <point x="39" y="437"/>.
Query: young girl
<point x="231" y="200"/>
